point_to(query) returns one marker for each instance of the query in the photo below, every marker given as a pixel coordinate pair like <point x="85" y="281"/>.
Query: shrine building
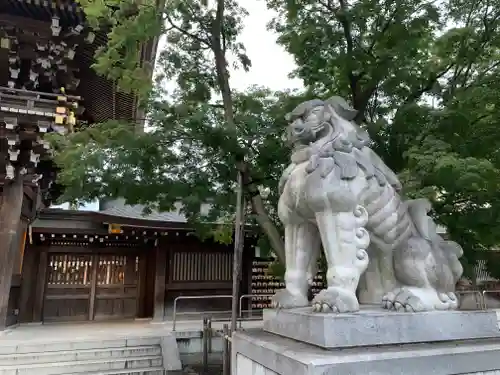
<point x="63" y="265"/>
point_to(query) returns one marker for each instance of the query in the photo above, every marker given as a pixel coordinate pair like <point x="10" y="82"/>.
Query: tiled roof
<point x="117" y="208"/>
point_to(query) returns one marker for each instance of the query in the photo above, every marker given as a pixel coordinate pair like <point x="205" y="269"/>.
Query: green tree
<point x="200" y="135"/>
<point x="422" y="74"/>
<point x="424" y="77"/>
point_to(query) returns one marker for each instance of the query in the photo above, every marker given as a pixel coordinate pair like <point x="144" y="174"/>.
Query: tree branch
<point x="346" y="26"/>
<point x="221" y="64"/>
<point x="427" y="86"/>
<point x="262" y="216"/>
<point x="186" y="33"/>
<point x="384" y="29"/>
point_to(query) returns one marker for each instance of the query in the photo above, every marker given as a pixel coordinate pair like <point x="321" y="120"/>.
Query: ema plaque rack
<point x="265" y="284"/>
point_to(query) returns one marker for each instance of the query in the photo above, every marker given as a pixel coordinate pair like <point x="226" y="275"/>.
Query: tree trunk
<point x="10" y="217"/>
<point x="269" y="228"/>
<point x="239" y="235"/>
<point x="258" y="207"/>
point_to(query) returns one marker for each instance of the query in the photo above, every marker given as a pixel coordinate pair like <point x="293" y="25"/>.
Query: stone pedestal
<point x="373" y="341"/>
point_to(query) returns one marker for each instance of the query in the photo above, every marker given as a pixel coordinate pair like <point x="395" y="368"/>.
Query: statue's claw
<point x="284" y="299"/>
<point x="449" y="299"/>
<point x="411" y="299"/>
<point x="335" y="300"/>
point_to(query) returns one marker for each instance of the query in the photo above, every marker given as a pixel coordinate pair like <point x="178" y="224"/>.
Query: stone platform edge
<point x="373" y="327"/>
<point x="282" y="356"/>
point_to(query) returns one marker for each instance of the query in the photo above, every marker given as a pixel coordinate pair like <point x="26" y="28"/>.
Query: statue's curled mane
<point x="345" y="148"/>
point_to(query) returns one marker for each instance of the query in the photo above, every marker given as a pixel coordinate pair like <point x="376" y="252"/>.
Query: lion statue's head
<point x="317" y="120"/>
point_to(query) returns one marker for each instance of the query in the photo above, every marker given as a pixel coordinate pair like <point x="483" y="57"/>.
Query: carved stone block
<point x="370" y="327"/>
<point x="274" y="355"/>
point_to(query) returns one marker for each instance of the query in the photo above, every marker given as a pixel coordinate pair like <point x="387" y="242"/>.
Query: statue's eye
<point x="310" y="117"/>
<point x="313" y="114"/>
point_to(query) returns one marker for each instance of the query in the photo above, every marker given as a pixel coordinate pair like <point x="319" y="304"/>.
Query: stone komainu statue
<point x="339" y="196"/>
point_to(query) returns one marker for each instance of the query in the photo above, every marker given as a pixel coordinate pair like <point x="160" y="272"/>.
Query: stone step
<point x="77" y="344"/>
<point x="139" y="371"/>
<point x="78" y="355"/>
<point x="84" y="367"/>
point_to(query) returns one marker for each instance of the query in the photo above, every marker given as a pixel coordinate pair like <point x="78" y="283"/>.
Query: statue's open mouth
<point x="298" y="130"/>
<point x="306" y="134"/>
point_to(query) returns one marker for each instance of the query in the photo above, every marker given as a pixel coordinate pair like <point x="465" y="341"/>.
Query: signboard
<point x="115" y="229"/>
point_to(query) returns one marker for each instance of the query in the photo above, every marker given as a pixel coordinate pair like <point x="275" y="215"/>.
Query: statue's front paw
<point x="403" y="299"/>
<point x="335" y="300"/>
<point x="412" y="299"/>
<point x="284" y="299"/>
<point x="449" y="300"/>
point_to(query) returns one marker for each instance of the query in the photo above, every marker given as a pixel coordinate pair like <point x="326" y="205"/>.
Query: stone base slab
<point x="371" y="327"/>
<point x="256" y="352"/>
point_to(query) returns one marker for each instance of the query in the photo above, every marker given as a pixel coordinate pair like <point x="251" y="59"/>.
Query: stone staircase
<point x="137" y="356"/>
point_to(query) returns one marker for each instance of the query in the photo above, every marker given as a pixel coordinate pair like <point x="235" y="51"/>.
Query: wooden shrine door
<point x="91" y="287"/>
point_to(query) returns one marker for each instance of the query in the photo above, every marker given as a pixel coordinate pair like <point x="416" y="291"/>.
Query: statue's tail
<point x="448" y="251"/>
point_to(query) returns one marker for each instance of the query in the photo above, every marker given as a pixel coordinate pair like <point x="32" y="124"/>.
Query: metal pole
<point x="210" y="335"/>
<point x="238" y="250"/>
<point x="225" y="350"/>
<point x="205" y="345"/>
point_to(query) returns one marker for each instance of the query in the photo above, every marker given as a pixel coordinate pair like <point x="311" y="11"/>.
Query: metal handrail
<point x="194" y="313"/>
<point x="477" y="292"/>
<point x="245" y="296"/>
<point x="486" y="292"/>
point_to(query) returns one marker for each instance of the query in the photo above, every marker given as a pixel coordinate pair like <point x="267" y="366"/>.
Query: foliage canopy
<point x="424" y="76"/>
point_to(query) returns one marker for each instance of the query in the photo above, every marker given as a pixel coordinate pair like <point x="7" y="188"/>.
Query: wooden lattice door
<point x="68" y="289"/>
<point x="116" y="287"/>
<point x="91" y="287"/>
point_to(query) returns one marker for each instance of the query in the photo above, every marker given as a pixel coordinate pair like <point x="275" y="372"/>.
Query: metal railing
<point x="209" y="314"/>
<point x="484" y="293"/>
<point x="250" y="310"/>
<point x="225" y="335"/>
<point x="203" y="313"/>
<point x="479" y="297"/>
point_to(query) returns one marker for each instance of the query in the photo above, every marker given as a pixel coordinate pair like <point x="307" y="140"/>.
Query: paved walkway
<point x="60" y="332"/>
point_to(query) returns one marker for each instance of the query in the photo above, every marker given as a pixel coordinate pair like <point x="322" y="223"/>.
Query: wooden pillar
<point x="142" y="279"/>
<point x="93" y="286"/>
<point x="28" y="283"/>
<point x="40" y="287"/>
<point x="130" y="274"/>
<point x="160" y="284"/>
<point x="10" y="218"/>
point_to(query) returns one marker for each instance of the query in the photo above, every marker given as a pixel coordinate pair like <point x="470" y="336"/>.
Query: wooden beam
<point x="203" y="285"/>
<point x="59" y="230"/>
<point x="160" y="284"/>
<point x="28" y="25"/>
<point x="74" y="249"/>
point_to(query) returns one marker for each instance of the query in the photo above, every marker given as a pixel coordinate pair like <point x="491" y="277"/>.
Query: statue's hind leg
<point x="301" y="248"/>
<point x="344" y="242"/>
<point x="379" y="277"/>
<point x="414" y="262"/>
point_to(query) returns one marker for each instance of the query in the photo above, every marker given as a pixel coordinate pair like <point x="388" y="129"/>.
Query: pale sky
<point x="271" y="64"/>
